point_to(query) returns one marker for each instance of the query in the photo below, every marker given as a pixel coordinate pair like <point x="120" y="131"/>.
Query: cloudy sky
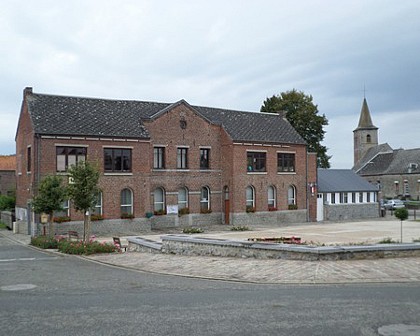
<point x="230" y="54"/>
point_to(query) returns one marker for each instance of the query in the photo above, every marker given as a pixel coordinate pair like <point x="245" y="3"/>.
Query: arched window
<point x="182" y="198"/>
<point x="97" y="209"/>
<point x="126" y="202"/>
<point x="205" y="199"/>
<point x="271" y="195"/>
<point x="368" y="138"/>
<point x="250" y="198"/>
<point x="159" y="200"/>
<point x="291" y="195"/>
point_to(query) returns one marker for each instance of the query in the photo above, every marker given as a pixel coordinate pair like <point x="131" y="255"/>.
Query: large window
<point x="204" y="158"/>
<point x="291" y="195"/>
<point x="117" y="160"/>
<point x="285" y="162"/>
<point x="256" y="161"/>
<point x="159" y="200"/>
<point x="182" y="198"/>
<point x="205" y="199"/>
<point x="159" y="157"/>
<point x="271" y="197"/>
<point x="182" y="158"/>
<point x="126" y="202"/>
<point x="250" y="198"/>
<point x="68" y="156"/>
<point x="65" y="211"/>
<point x="97" y="209"/>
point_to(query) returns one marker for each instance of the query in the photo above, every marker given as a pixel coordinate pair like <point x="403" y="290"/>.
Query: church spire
<point x="365" y="121"/>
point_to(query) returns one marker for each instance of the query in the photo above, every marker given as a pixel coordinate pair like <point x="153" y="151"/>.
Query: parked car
<point x="394" y="204"/>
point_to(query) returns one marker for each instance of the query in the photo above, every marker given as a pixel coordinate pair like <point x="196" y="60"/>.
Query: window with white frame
<point x="183" y="198"/>
<point x="159" y="200"/>
<point x="97" y="209"/>
<point x="65" y="211"/>
<point x="291" y="195"/>
<point x="205" y="199"/>
<point x="126" y="202"/>
<point x="271" y="195"/>
<point x="250" y="198"/>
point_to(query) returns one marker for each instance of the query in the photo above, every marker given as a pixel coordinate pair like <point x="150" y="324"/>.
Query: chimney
<point x="27" y="91"/>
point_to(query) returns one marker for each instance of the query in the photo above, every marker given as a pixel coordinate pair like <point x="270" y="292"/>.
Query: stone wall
<point x="7" y="218"/>
<point x="196" y="220"/>
<point x="337" y="212"/>
<point x="269" y="218"/>
<point x="192" y="246"/>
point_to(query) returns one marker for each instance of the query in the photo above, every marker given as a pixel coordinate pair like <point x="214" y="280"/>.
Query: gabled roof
<point x="397" y="162"/>
<point x="342" y="180"/>
<point x="372" y="153"/>
<point x="8" y="162"/>
<point x="63" y="115"/>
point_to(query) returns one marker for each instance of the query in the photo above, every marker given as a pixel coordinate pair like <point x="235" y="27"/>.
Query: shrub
<point x="127" y="216"/>
<point x="61" y="219"/>
<point x="94" y="218"/>
<point x="292" y="207"/>
<point x="250" y="209"/>
<point x="387" y="240"/>
<point x="44" y="242"/>
<point x="239" y="228"/>
<point x="183" y="211"/>
<point x="88" y="248"/>
<point x="192" y="230"/>
<point x="7" y="203"/>
<point x="160" y="212"/>
<point x="3" y="226"/>
<point x="205" y="211"/>
<point x="272" y="208"/>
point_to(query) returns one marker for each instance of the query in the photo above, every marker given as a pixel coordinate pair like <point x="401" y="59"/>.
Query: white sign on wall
<point x="172" y="209"/>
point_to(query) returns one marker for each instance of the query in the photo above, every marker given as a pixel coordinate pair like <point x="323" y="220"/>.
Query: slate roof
<point x="342" y="180"/>
<point x="63" y="115"/>
<point x="398" y="162"/>
<point x="365" y="121"/>
<point x="372" y="153"/>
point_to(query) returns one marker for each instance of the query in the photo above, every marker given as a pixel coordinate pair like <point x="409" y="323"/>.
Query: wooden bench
<point x="117" y="243"/>
<point x="73" y="235"/>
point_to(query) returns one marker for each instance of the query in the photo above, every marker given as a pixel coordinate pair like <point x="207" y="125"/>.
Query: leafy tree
<point x="83" y="191"/>
<point x="401" y="214"/>
<point x="50" y="198"/>
<point x="302" y="114"/>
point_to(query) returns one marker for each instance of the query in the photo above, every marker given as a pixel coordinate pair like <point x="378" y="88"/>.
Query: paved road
<point x="49" y="294"/>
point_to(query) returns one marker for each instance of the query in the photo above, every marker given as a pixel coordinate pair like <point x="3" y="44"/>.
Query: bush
<point x="239" y="228"/>
<point x="183" y="211"/>
<point x="7" y="203"/>
<point x="127" y="216"/>
<point x="44" y="242"/>
<point x="192" y="230"/>
<point x="61" y="219"/>
<point x="205" y="211"/>
<point x="387" y="241"/>
<point x="250" y="209"/>
<point x="79" y="248"/>
<point x="292" y="207"/>
<point x="94" y="218"/>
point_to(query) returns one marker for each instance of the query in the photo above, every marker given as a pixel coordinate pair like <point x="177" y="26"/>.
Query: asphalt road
<point x="47" y="294"/>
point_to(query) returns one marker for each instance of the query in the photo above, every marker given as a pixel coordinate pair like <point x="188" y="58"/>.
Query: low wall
<point x="192" y="246"/>
<point x="269" y="218"/>
<point x="7" y="217"/>
<point x="106" y="227"/>
<point x="189" y="220"/>
<point x="337" y="212"/>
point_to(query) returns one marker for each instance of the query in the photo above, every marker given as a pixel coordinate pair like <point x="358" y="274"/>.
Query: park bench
<point x="73" y="235"/>
<point x="118" y="244"/>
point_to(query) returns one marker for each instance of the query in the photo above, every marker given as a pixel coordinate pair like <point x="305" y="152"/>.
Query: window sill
<point x="118" y="174"/>
<point x="286" y="173"/>
<point x="256" y="173"/>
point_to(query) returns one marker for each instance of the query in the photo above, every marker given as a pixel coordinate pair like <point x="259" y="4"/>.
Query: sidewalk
<point x="281" y="271"/>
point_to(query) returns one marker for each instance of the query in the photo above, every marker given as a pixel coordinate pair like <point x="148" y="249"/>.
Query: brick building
<point x="167" y="165"/>
<point x="7" y="175"/>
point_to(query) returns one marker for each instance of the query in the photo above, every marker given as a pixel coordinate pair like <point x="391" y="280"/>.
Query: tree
<point x="401" y="214"/>
<point x="303" y="116"/>
<point x="50" y="198"/>
<point x="83" y="191"/>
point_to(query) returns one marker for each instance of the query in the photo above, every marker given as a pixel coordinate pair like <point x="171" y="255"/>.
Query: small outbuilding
<point x="343" y="195"/>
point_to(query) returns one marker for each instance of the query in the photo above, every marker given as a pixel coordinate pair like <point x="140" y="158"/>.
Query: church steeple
<point x="365" y="135"/>
<point x="365" y="120"/>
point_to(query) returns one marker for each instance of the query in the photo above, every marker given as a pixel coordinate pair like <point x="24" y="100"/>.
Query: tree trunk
<point x="50" y="225"/>
<point x="86" y="226"/>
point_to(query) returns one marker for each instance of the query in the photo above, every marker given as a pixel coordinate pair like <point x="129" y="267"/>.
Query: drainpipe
<point x="306" y="185"/>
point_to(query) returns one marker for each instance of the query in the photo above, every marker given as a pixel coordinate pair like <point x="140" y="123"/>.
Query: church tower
<point x="365" y="135"/>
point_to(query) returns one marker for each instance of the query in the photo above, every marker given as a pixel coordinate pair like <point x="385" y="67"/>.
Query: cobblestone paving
<point x="271" y="271"/>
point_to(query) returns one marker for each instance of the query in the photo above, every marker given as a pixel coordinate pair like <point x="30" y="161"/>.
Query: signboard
<point x="172" y="209"/>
